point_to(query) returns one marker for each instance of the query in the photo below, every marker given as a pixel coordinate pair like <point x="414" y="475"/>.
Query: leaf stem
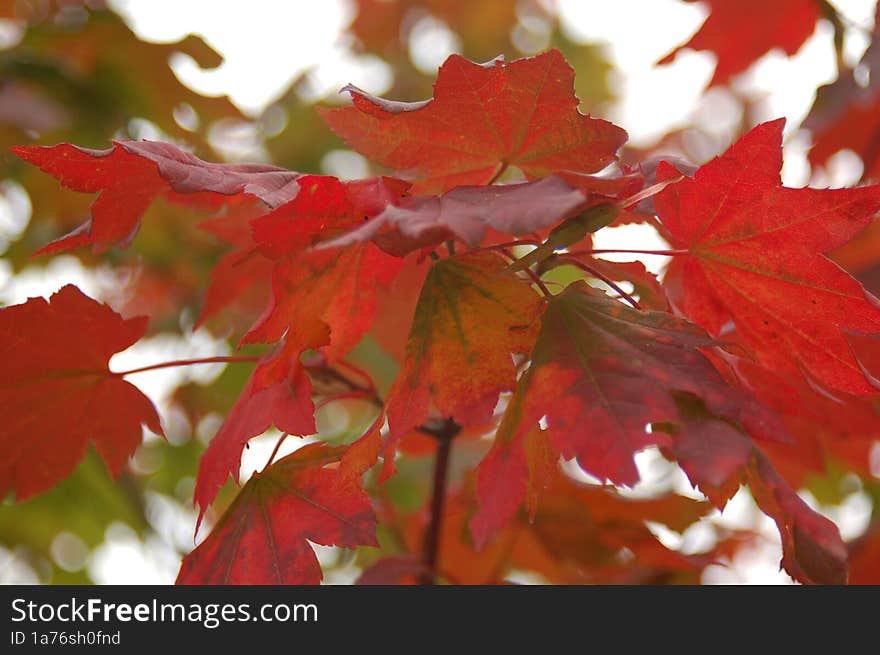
<point x="444" y="434"/>
<point x="536" y="279"/>
<point x="652" y="190"/>
<point x="668" y="253"/>
<point x="360" y="394"/>
<point x="607" y="280"/>
<point x="358" y="371"/>
<point x="190" y="362"/>
<point x="513" y="244"/>
<point x="498" y="173"/>
<point x="275" y="450"/>
<point x="367" y="392"/>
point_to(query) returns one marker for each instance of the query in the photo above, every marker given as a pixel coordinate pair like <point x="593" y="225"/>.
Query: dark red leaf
<point x="57" y="393"/>
<point x="600" y="373"/>
<point x="314" y="494"/>
<point x="718" y="459"/>
<point x="278" y="393"/>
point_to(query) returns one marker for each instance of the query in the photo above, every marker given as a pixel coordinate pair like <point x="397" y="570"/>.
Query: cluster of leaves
<point x="516" y="349"/>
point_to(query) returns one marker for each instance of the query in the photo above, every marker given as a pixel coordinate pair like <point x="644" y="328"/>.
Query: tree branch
<point x="444" y="433"/>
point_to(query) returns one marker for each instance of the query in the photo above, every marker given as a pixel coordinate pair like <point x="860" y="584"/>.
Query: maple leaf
<point x="482" y="119"/>
<point x="278" y="393"/>
<point x="846" y="114"/>
<point x="472" y="315"/>
<point x="468" y="212"/>
<point x="323" y="208"/>
<point x="131" y="174"/>
<point x="57" y="393"/>
<point x="575" y="536"/>
<point x="313" y="494"/>
<point x="755" y="259"/>
<point x="394" y="570"/>
<point x="718" y="459"/>
<point x="330" y="288"/>
<point x="827" y="430"/>
<point x="738" y="40"/>
<point x="336" y="288"/>
<point x="864" y="556"/>
<point x="242" y="274"/>
<point x="600" y="372"/>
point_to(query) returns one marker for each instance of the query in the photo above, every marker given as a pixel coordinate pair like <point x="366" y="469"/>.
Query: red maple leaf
<point x="470" y="212"/>
<point x="313" y="494"/>
<point x="482" y="119"/>
<point x="600" y="372"/>
<point x="738" y="40"/>
<point x="472" y="315"/>
<point x="57" y="393"/>
<point x="754" y="258"/>
<point x="278" y="394"/>
<point x="718" y="459"/>
<point x="239" y="275"/>
<point x="846" y="114"/>
<point x="131" y="174"/>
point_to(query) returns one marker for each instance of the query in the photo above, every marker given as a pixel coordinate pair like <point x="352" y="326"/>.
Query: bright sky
<point x="270" y="43"/>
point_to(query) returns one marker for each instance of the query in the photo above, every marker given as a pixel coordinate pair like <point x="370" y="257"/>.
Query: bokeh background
<point x="238" y="81"/>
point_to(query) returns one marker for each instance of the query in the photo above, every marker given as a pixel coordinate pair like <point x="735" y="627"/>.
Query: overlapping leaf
<point x="600" y="372"/>
<point x="131" y="174"/>
<point x="334" y="288"/>
<point x="278" y="394"/>
<point x="576" y="536"/>
<point x="57" y="393"/>
<point x="755" y="258"/>
<point x="482" y="119"/>
<point x="718" y="459"/>
<point x="467" y="212"/>
<point x="472" y="315"/>
<point x="314" y="494"/>
<point x="846" y="113"/>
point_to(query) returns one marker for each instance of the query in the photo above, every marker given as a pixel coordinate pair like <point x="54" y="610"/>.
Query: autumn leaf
<point x="600" y="372"/>
<point x="241" y="276"/>
<point x="515" y="471"/>
<point x="755" y="259"/>
<point x="131" y="174"/>
<point x="394" y="570"/>
<point x="334" y="289"/>
<point x="313" y="494"/>
<point x="322" y="208"/>
<point x="278" y="394"/>
<point x="846" y="114"/>
<point x="718" y="458"/>
<point x="575" y="536"/>
<point x="472" y="315"/>
<point x="482" y="119"/>
<point x="738" y="40"/>
<point x="468" y="212"/>
<point x="864" y="557"/>
<point x="828" y="431"/>
<point x="57" y="393"/>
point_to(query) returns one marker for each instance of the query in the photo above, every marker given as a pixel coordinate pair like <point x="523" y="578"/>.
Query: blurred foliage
<point x="75" y="72"/>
